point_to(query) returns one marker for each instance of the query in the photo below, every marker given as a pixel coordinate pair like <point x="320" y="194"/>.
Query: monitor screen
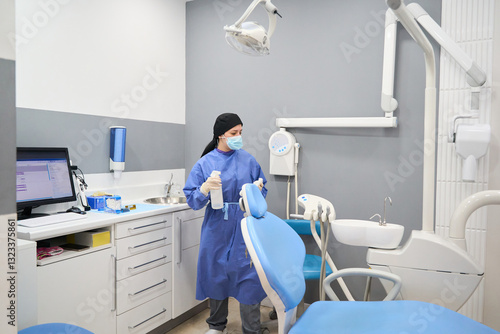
<point x="43" y="176"/>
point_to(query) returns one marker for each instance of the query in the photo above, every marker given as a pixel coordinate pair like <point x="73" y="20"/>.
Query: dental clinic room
<point x="249" y="166"/>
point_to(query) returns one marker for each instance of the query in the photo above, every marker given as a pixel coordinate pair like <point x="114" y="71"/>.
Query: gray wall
<point x="308" y="75"/>
<point x="7" y="137"/>
<point x="150" y="145"/>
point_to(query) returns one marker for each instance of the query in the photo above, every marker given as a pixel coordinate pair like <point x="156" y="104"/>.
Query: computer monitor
<point x="43" y="176"/>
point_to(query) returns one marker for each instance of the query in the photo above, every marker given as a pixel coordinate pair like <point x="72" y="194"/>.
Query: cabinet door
<point x="80" y="291"/>
<point x="186" y="246"/>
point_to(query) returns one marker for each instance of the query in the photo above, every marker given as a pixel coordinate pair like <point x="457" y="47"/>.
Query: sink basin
<point x="367" y="233"/>
<point x="166" y="200"/>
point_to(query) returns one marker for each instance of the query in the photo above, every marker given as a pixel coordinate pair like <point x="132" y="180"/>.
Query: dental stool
<point x="278" y="255"/>
<point x="54" y="328"/>
<point x="312" y="263"/>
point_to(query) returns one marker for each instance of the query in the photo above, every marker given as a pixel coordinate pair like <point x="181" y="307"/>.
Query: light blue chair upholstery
<point x="54" y="328"/>
<point x="278" y="254"/>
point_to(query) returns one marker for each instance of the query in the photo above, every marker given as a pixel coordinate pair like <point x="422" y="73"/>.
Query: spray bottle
<point x="216" y="195"/>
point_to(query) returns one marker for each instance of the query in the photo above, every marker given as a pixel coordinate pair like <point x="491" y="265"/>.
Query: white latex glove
<point x="212" y="183"/>
<point x="259" y="183"/>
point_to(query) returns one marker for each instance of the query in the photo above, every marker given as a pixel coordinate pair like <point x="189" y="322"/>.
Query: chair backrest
<point x="268" y="238"/>
<point x="271" y="238"/>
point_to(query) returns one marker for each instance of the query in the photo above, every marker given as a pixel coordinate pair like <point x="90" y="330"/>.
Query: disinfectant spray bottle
<point x="216" y="195"/>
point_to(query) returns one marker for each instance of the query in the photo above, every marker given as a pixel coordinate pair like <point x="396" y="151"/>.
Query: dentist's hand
<point x="259" y="183"/>
<point x="212" y="183"/>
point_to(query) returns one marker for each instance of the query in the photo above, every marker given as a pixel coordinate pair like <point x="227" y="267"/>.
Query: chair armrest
<point x="363" y="272"/>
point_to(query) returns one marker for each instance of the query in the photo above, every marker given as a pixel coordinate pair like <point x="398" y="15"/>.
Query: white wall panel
<point x="7" y="29"/>
<point x="115" y="58"/>
<point x="470" y="24"/>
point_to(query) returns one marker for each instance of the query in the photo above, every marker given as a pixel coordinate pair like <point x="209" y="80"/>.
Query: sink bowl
<point x="166" y="200"/>
<point x="367" y="233"/>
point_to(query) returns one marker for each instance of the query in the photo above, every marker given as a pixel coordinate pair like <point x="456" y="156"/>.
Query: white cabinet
<point x="79" y="290"/>
<point x="143" y="273"/>
<point x="186" y="244"/>
<point x="142" y="279"/>
<point x="27" y="294"/>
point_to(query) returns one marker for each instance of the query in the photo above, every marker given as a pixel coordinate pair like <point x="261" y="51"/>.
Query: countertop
<point x="95" y="219"/>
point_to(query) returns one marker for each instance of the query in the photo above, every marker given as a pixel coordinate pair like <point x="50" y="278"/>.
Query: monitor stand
<point x="27" y="213"/>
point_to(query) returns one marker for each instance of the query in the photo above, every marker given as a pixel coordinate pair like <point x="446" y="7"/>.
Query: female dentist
<point x="224" y="269"/>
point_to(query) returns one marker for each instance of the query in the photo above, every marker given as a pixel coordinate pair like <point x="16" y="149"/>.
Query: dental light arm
<point x="249" y="37"/>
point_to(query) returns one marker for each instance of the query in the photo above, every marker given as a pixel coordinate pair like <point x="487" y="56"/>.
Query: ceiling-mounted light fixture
<point x="250" y="37"/>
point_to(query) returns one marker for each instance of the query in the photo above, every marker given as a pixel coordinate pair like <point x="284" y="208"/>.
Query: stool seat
<point x="312" y="265"/>
<point x="54" y="328"/>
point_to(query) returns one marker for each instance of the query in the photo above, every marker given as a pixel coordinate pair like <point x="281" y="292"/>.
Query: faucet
<point x="379" y="218"/>
<point x="385" y="202"/>
<point x="380" y="221"/>
<point x="168" y="186"/>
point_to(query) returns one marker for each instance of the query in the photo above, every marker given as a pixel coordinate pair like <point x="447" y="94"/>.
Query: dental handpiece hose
<point x="324" y="251"/>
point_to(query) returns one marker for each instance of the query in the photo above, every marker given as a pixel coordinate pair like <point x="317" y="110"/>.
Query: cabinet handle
<point x="154" y="316"/>
<point x="148" y="225"/>
<point x="141" y="265"/>
<point x="144" y="290"/>
<point x="147" y="243"/>
<point x="178" y="241"/>
<point x="113" y="307"/>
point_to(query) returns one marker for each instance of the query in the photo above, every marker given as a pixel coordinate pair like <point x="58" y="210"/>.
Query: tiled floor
<point x="197" y="324"/>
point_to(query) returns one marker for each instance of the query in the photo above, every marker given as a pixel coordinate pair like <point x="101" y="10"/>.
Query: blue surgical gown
<point x="224" y="268"/>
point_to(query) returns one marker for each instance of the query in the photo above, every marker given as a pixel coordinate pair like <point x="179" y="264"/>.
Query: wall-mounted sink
<point x="367" y="233"/>
<point x="166" y="200"/>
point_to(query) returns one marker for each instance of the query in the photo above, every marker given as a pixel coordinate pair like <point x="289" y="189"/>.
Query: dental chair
<point x="278" y="255"/>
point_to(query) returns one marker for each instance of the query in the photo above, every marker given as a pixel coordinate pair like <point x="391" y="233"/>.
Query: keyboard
<point x="51" y="219"/>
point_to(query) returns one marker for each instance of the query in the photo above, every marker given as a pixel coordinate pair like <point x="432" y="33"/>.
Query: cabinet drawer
<point x="140" y="288"/>
<point x="146" y="317"/>
<point x="141" y="262"/>
<point x="143" y="242"/>
<point x="142" y="225"/>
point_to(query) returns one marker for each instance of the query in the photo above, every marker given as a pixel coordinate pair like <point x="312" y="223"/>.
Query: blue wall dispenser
<point x="117" y="150"/>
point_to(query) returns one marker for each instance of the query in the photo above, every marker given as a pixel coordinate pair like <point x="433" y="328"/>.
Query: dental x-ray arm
<point x="429" y="164"/>
<point x="476" y="77"/>
<point x="388" y="102"/>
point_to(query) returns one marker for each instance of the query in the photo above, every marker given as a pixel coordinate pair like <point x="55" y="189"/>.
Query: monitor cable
<point x="82" y="186"/>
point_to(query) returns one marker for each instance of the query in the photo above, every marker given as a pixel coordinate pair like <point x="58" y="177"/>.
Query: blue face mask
<point x="234" y="143"/>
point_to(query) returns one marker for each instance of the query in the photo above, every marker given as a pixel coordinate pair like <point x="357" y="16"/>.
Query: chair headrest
<point x="255" y="204"/>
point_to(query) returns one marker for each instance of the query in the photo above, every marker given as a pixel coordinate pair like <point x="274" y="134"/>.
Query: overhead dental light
<point x="251" y="38"/>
